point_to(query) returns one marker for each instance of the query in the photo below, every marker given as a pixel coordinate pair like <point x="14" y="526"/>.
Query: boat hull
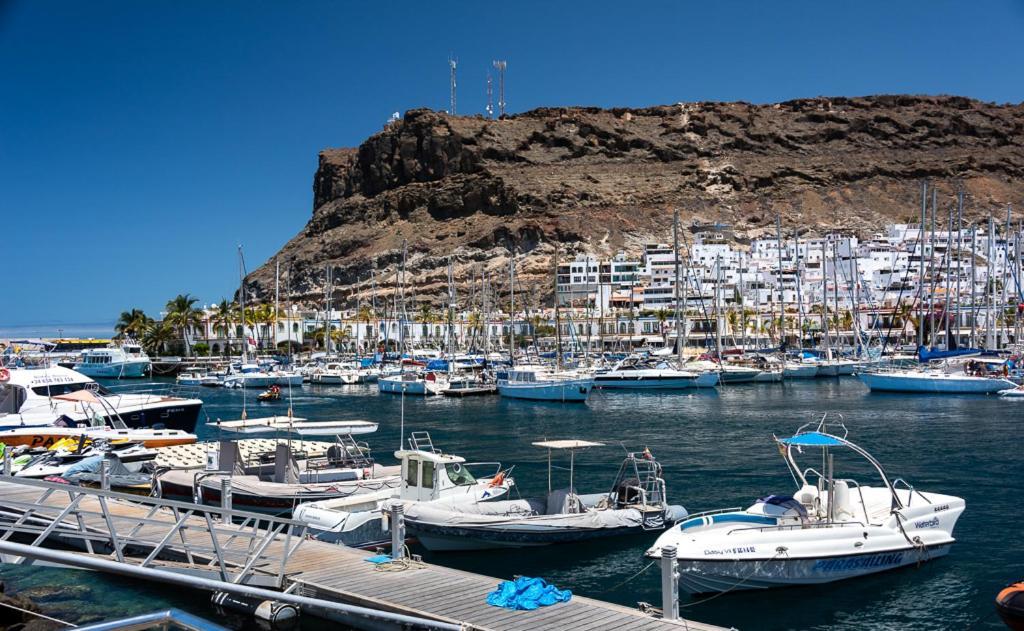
<point x="121" y="370"/>
<point x="569" y="391"/>
<point x="645" y="383"/>
<point x="809" y="371"/>
<point x="708" y="576"/>
<point x="453" y="539"/>
<point x="934" y="384"/>
<point x="397" y="386"/>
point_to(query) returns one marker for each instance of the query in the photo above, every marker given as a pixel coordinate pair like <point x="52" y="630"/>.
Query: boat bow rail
<point x="228" y="545"/>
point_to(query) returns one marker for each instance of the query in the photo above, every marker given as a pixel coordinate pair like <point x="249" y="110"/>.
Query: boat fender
<point x="366" y="473"/>
<point x="5" y="375"/>
<point x="277" y="615"/>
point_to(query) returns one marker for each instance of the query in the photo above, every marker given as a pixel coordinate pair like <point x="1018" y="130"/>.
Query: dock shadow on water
<point x="717" y="451"/>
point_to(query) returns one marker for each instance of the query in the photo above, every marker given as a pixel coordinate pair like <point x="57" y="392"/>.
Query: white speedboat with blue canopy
<point x="830" y="529"/>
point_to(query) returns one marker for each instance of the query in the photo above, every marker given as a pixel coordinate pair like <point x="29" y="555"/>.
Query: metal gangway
<point x="216" y="542"/>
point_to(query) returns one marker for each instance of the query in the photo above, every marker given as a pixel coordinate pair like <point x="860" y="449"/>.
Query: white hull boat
<point x="428" y="476"/>
<point x="634" y="374"/>
<point x="126" y="361"/>
<point x="635" y="504"/>
<point x="831" y="529"/>
<point x="403" y="383"/>
<point x="794" y="370"/>
<point x="540" y="385"/>
<point x="934" y="382"/>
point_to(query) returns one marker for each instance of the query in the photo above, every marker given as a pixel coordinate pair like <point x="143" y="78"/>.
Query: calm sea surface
<point x="717" y="451"/>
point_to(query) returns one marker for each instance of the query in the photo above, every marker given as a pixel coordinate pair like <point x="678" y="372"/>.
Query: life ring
<point x="5" y="375"/>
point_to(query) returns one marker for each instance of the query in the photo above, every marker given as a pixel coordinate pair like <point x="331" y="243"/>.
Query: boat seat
<point x="808" y="496"/>
<point x="843" y="506"/>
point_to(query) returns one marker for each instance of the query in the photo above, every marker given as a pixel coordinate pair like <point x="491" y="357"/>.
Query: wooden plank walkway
<point x="331" y="572"/>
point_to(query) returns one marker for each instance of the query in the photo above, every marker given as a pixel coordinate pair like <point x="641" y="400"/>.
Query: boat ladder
<point x="420" y="441"/>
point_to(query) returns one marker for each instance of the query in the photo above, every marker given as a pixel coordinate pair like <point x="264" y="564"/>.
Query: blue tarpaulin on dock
<point x="527" y="593"/>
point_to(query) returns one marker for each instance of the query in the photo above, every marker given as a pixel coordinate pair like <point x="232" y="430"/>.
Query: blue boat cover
<point x="812" y="439"/>
<point x="527" y="593"/>
<point x="437" y="364"/>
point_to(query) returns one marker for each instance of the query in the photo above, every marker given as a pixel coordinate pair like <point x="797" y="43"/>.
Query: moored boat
<point x="636" y="503"/>
<point x="829" y="529"/>
<point x="541" y="384"/>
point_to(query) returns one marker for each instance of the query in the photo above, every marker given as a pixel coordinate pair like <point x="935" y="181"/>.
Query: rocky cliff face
<point x="471" y="189"/>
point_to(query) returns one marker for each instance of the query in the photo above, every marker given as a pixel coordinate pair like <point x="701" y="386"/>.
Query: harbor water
<point x="717" y="451"/>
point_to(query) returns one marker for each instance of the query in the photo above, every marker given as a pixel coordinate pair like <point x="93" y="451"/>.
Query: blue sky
<point x="140" y="142"/>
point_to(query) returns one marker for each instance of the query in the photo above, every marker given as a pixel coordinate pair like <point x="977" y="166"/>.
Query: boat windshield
<point x="57" y="389"/>
<point x="459" y="475"/>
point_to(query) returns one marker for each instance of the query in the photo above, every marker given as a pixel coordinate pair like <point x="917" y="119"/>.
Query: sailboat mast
<point x="558" y="321"/>
<point x="931" y="273"/>
<point x="680" y="332"/>
<point x="920" y="281"/>
<point x="512" y="308"/>
<point x="1003" y="333"/>
<point x="949" y="263"/>
<point x="959" y="258"/>
<point x="974" y="283"/>
<point x="782" y="293"/>
<point x="718" y="317"/>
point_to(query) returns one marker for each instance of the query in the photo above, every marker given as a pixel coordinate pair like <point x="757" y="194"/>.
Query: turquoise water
<point x="717" y="451"/>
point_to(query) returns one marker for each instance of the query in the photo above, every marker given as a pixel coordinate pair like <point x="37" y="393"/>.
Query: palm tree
<point x="223" y="317"/>
<point x="662" y="316"/>
<point x="183" y="315"/>
<point x="132" y="323"/>
<point x="157" y="336"/>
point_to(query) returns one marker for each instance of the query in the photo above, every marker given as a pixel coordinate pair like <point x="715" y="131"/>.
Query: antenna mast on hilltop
<point x="452" y="63"/>
<point x="500" y="67"/>
<point x="490" y="96"/>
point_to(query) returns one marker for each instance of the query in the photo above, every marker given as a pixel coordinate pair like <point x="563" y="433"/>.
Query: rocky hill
<point x="601" y="180"/>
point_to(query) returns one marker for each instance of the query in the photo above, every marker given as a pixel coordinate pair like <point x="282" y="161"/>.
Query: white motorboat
<point x="636" y="503"/>
<point x="249" y="376"/>
<point x="428" y="476"/>
<point x="197" y="377"/>
<point x="39" y="396"/>
<point x="541" y="384"/>
<point x="830" y="529"/>
<point x="118" y="361"/>
<point x="410" y="382"/>
<point x="636" y="373"/>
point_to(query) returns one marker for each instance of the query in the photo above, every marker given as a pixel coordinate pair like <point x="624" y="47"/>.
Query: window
<point x="428" y="475"/>
<point x="459" y="475"/>
<point x="411" y="476"/>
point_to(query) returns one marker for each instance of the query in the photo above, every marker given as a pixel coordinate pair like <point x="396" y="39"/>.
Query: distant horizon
<point x="155" y="138"/>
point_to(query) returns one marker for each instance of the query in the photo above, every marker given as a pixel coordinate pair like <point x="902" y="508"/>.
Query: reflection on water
<point x="717" y="452"/>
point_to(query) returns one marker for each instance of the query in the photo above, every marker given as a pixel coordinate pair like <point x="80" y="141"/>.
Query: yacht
<point x="41" y="396"/>
<point x="249" y="376"/>
<point x="635" y="373"/>
<point x="829" y="529"/>
<point x="124" y="361"/>
<point x="541" y="384"/>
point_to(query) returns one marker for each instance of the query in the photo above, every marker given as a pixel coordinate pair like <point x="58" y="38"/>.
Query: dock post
<point x="7" y="461"/>
<point x="105" y="474"/>
<point x="397" y="531"/>
<point x="669" y="584"/>
<point x="225" y="499"/>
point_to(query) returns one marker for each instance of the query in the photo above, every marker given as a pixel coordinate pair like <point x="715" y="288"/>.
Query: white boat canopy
<point x="567" y="444"/>
<point x="294" y="425"/>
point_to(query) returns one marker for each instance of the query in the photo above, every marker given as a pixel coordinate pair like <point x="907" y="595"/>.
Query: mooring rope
<point x="778" y="551"/>
<point x="37" y="614"/>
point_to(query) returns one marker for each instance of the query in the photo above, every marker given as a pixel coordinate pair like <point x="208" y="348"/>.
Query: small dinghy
<point x="830" y="529"/>
<point x="1010" y="605"/>
<point x="635" y="504"/>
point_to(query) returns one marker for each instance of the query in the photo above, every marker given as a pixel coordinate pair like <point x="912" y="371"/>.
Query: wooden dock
<point x="159" y="534"/>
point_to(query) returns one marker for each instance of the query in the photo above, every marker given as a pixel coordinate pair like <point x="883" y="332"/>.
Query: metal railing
<point x="233" y="546"/>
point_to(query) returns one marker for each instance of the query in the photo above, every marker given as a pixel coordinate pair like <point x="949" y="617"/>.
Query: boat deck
<point x="310" y="568"/>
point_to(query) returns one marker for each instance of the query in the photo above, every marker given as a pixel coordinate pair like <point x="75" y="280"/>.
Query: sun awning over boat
<point x="294" y="425"/>
<point x="813" y="439"/>
<point x="567" y="444"/>
<point x="85" y="396"/>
